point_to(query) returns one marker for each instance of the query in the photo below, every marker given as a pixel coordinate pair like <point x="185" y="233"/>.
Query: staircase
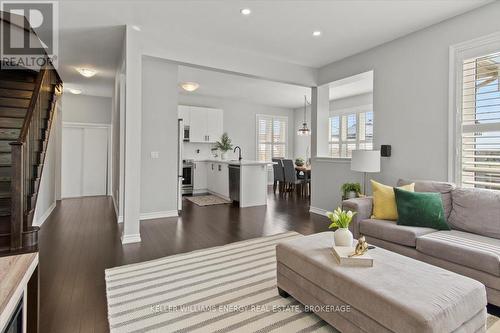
<point x="27" y="104"/>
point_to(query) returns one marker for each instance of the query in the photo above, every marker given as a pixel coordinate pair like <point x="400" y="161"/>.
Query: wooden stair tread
<point x="5" y="195"/>
<point x="12" y="112"/>
<point x="30" y="86"/>
<point x="15" y="93"/>
<point x="8" y="122"/>
<point x="17" y="75"/>
<point x="14" y="102"/>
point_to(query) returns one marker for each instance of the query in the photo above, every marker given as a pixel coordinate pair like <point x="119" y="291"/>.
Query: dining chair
<point x="291" y="179"/>
<point x="279" y="176"/>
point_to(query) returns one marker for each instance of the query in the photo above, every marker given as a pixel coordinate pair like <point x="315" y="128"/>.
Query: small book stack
<point x="342" y="254"/>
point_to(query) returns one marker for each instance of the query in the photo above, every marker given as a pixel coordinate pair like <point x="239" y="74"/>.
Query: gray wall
<point x="87" y="109"/>
<point x="159" y="133"/>
<point x="240" y="120"/>
<point x="410" y="98"/>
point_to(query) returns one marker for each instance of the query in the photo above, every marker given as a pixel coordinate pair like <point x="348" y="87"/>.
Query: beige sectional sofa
<point x="471" y="248"/>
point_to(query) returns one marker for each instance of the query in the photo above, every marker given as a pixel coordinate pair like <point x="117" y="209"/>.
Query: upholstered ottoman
<point x="397" y="294"/>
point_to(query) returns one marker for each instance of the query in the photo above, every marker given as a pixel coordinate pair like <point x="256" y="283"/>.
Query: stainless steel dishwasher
<point x="234" y="182"/>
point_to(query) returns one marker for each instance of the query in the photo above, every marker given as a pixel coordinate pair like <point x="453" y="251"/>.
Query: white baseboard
<point x="45" y="215"/>
<point x="158" y="215"/>
<point x="316" y="210"/>
<point x="203" y="191"/>
<point x="128" y="239"/>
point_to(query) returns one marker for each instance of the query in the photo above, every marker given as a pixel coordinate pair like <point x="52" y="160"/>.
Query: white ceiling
<point x="279" y="30"/>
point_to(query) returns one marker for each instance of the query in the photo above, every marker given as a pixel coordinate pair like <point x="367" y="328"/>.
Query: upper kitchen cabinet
<point x="214" y="124"/>
<point x="205" y="124"/>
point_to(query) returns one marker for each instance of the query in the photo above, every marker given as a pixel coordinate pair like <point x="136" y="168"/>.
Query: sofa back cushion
<point x="433" y="186"/>
<point x="477" y="211"/>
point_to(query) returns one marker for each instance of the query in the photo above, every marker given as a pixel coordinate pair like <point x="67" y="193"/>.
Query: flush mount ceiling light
<point x="190" y="86"/>
<point x="75" y="91"/>
<point x="136" y="28"/>
<point x="316" y="33"/>
<point x="245" y="11"/>
<point x="87" y="72"/>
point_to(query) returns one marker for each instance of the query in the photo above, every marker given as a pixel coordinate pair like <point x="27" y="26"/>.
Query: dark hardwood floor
<point x="81" y="238"/>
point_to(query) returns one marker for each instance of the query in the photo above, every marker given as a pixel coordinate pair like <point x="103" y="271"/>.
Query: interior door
<point x="84" y="161"/>
<point x="71" y="160"/>
<point x="95" y="161"/>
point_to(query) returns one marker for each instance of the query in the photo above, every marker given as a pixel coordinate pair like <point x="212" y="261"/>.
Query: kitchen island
<point x="244" y="182"/>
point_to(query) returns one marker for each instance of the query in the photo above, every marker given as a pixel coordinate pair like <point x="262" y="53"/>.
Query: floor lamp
<point x="365" y="161"/>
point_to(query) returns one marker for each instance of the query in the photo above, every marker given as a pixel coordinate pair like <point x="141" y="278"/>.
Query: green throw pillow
<point x="420" y="209"/>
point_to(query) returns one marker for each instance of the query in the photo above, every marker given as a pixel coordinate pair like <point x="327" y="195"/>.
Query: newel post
<point x="17" y="189"/>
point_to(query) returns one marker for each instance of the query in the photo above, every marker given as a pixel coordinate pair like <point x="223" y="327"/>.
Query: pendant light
<point x="304" y="130"/>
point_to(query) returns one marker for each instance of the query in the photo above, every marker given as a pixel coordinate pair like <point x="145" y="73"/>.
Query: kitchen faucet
<point x="239" y="152"/>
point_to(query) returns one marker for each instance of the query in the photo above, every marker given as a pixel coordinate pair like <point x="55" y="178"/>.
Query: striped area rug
<point x="231" y="288"/>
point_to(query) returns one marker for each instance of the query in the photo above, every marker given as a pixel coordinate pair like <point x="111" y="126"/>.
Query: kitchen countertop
<point x="235" y="162"/>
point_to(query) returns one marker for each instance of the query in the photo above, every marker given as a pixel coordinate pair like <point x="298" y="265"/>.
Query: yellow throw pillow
<point x="384" y="201"/>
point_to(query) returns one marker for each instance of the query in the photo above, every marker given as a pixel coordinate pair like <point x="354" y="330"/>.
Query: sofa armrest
<point x="363" y="208"/>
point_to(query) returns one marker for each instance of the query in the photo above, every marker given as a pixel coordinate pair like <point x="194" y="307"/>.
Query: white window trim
<point x="287" y="145"/>
<point x="457" y="54"/>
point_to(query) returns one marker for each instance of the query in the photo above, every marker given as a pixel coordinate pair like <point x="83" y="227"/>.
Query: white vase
<point x="223" y="155"/>
<point x="343" y="237"/>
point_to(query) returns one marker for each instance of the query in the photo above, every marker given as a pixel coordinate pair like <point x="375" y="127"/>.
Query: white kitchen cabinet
<point x="184" y="114"/>
<point x="205" y="124"/>
<point x="214" y="124"/>
<point x="211" y="176"/>
<point x="218" y="179"/>
<point x="200" y="176"/>
<point x="197" y="125"/>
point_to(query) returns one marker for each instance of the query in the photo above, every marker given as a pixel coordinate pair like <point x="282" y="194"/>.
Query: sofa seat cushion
<point x="470" y="250"/>
<point x="391" y="232"/>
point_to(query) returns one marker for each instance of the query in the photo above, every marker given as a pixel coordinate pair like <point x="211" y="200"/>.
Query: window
<point x="272" y="137"/>
<point x="480" y="122"/>
<point x="349" y="132"/>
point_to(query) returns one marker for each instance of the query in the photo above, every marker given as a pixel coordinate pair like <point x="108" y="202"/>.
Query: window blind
<point x="480" y="118"/>
<point x="272" y="133"/>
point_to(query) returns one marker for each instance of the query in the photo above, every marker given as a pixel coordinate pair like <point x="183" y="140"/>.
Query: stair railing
<point x="28" y="155"/>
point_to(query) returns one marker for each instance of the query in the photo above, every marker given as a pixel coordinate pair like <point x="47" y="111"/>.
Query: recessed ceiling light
<point x="75" y="91"/>
<point x="136" y="28"/>
<point x="87" y="72"/>
<point x="246" y="11"/>
<point x="316" y="33"/>
<point x="190" y="86"/>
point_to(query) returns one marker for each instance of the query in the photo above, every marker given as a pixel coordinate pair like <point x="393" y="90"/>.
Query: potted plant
<point x="299" y="161"/>
<point x="351" y="190"/>
<point x="341" y="220"/>
<point x="224" y="145"/>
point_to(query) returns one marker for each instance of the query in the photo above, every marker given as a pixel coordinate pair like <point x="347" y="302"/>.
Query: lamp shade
<point x="365" y="160"/>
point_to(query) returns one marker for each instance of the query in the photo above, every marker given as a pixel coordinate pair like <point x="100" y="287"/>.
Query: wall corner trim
<point x="316" y="210"/>
<point x="158" y="215"/>
<point x="45" y="215"/>
<point x="129" y="239"/>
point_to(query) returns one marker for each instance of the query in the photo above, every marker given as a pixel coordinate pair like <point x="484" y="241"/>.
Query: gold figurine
<point x="361" y="247"/>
